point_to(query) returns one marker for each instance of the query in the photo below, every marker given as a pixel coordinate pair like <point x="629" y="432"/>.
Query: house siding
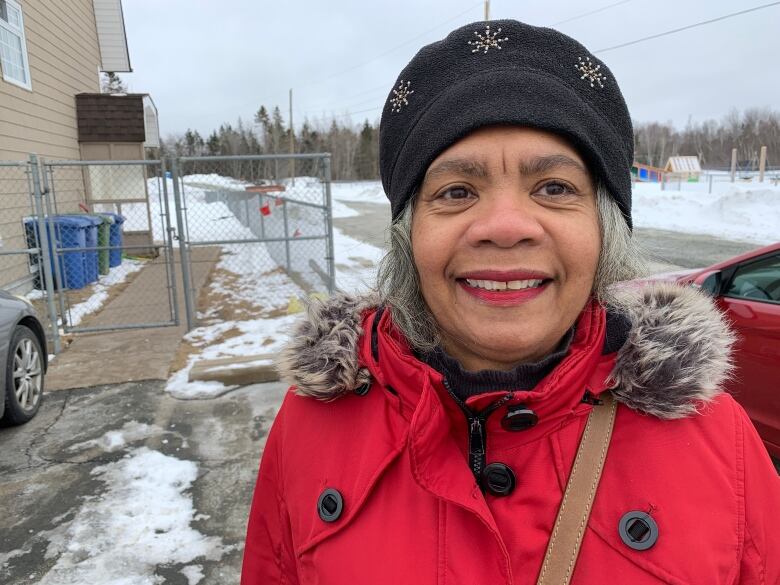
<point x="64" y="58"/>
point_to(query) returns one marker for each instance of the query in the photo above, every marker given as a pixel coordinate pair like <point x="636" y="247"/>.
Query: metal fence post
<point x="45" y="256"/>
<point x="48" y="195"/>
<point x="286" y="237"/>
<point x="184" y="254"/>
<point x="169" y="235"/>
<point x="262" y="221"/>
<point x="710" y="189"/>
<point x="329" y="215"/>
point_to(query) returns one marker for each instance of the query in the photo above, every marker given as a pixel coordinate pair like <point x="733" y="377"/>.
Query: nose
<point x="505" y="218"/>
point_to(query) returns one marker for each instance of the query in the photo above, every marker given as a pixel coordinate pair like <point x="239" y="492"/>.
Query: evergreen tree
<point x="213" y="145"/>
<point x="111" y="83"/>
<point x="365" y="159"/>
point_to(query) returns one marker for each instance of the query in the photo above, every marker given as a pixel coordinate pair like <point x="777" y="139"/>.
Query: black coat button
<point x="330" y="505"/>
<point x="498" y="479"/>
<point x="638" y="530"/>
<point x="519" y="418"/>
<point x="363" y="389"/>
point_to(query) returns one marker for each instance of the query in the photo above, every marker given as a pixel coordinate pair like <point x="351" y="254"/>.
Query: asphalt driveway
<point x="125" y="482"/>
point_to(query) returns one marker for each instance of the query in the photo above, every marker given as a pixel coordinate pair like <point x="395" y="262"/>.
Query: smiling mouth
<point x="501" y="285"/>
<point x="504" y="290"/>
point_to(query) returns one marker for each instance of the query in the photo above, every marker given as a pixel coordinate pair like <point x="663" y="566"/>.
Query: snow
<point x="249" y="274"/>
<point x="115" y="440"/>
<point x="736" y="211"/>
<point x="194" y="574"/>
<point x="99" y="290"/>
<point x="140" y="522"/>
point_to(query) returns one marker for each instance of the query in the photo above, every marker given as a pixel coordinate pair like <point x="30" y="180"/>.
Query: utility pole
<point x="487" y="9"/>
<point x="292" y="142"/>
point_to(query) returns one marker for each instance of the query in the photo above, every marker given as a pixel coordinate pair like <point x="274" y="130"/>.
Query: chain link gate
<point x="115" y="276"/>
<point x="239" y="211"/>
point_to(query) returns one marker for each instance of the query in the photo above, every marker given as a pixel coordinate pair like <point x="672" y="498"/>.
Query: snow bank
<point x="749" y="212"/>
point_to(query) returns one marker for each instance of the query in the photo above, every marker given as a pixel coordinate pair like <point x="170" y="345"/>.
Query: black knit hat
<point x="504" y="72"/>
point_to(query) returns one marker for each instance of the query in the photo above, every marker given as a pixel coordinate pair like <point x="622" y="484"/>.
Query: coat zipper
<point x="477" y="425"/>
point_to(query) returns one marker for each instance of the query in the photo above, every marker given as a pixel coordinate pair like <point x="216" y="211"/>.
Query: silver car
<point x="23" y="352"/>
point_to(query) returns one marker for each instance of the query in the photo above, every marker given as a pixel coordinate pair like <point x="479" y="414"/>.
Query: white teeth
<point x="501" y="285"/>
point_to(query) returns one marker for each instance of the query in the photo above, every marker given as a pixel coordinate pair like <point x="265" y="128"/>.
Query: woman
<point x="499" y="413"/>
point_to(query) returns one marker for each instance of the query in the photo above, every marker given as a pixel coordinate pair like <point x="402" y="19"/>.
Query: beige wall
<point x="64" y="57"/>
<point x="63" y="53"/>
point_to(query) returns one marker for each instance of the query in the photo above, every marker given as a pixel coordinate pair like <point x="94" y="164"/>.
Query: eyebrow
<point x="542" y="164"/>
<point x="458" y="166"/>
<point x="477" y="169"/>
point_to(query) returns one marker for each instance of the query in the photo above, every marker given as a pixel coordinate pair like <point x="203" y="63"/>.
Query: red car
<point x="747" y="289"/>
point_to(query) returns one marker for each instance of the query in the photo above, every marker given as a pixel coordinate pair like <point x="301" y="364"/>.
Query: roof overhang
<point x="112" y="38"/>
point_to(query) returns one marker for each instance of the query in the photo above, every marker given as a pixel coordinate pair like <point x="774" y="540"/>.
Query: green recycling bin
<point x="104" y="235"/>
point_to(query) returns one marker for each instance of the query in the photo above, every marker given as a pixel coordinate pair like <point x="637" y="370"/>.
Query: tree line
<point x="354" y="148"/>
<point x="713" y="140"/>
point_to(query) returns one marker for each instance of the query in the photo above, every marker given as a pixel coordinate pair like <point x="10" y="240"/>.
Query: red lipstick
<point x="506" y="297"/>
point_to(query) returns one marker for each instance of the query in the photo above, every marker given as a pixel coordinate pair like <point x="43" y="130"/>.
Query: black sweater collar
<point x="465" y="383"/>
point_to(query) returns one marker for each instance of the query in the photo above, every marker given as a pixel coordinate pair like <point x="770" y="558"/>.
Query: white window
<point x="13" y="47"/>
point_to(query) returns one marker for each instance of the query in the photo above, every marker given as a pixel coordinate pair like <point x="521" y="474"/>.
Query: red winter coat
<point x="411" y="512"/>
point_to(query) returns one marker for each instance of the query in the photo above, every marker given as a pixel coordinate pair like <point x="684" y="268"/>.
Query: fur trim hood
<point x="675" y="359"/>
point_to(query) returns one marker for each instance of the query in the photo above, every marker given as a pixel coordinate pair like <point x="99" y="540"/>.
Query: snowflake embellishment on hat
<point x="590" y="72"/>
<point x="487" y="41"/>
<point x="400" y="97"/>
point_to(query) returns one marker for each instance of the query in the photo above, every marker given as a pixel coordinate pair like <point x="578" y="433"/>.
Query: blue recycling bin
<point x="115" y="239"/>
<point x="65" y="232"/>
<point x="90" y="225"/>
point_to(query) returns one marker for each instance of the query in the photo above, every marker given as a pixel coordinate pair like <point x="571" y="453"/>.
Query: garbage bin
<point x="104" y="235"/>
<point x="90" y="224"/>
<point x="65" y="233"/>
<point x="33" y="241"/>
<point x="115" y="239"/>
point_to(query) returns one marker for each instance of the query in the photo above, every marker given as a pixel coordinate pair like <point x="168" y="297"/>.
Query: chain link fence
<point x="21" y="269"/>
<point x="235" y="206"/>
<point x="93" y="244"/>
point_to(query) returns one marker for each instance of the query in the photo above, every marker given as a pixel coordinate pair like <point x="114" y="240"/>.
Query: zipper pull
<point x="476" y="447"/>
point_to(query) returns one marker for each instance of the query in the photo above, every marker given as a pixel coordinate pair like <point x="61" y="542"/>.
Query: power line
<point x="363" y="64"/>
<point x="385" y="87"/>
<point x="690" y="26"/>
<point x="379" y="91"/>
<point x="584" y="14"/>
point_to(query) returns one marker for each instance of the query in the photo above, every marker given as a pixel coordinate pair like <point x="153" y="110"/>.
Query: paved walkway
<point x="136" y="354"/>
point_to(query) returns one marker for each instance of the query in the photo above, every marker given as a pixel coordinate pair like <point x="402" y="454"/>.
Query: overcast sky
<point x="206" y="62"/>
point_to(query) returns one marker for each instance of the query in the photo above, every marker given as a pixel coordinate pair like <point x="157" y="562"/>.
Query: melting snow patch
<point x="114" y="440"/>
<point x="140" y="522"/>
<point x="194" y="574"/>
<point x="254" y="337"/>
<point x="100" y="292"/>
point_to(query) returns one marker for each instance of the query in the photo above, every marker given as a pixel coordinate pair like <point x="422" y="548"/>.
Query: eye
<point x="556" y="189"/>
<point x="456" y="193"/>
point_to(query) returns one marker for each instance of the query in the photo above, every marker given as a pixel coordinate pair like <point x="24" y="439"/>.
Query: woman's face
<point x="505" y="238"/>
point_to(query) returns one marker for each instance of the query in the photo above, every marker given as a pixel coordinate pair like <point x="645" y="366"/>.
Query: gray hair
<point x="399" y="284"/>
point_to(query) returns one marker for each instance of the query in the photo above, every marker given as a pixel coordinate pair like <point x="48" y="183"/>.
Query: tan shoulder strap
<point x="564" y="545"/>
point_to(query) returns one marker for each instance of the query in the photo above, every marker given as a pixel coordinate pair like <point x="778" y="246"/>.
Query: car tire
<point x="24" y="377"/>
